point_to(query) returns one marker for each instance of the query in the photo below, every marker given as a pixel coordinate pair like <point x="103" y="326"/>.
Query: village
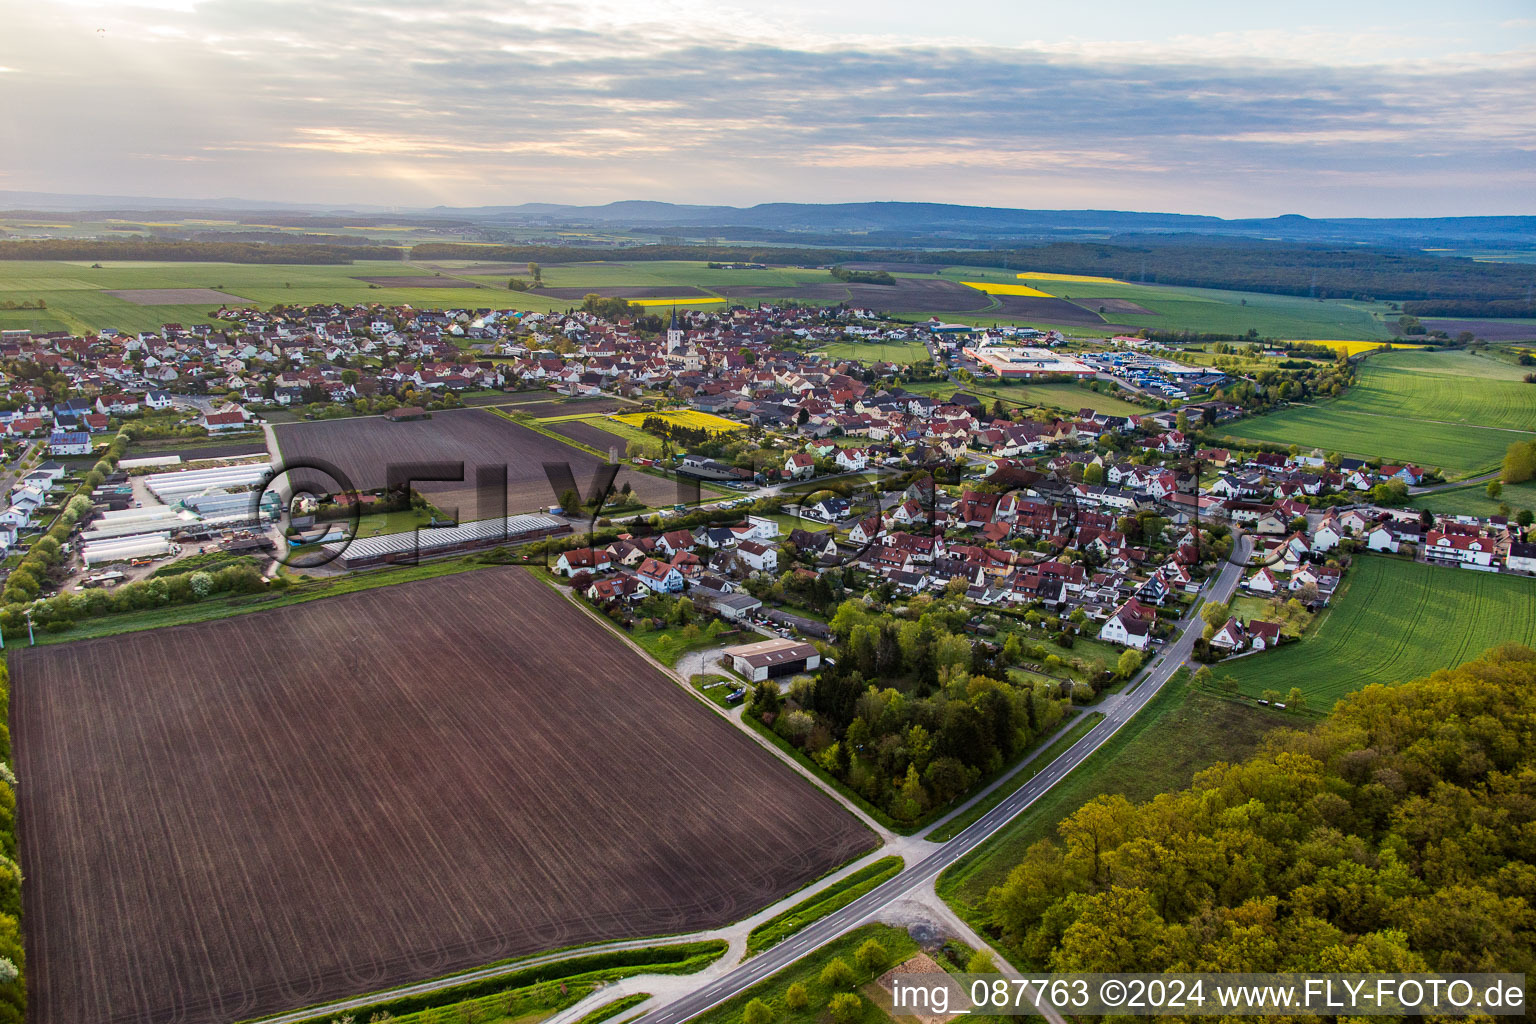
<point x="1062" y="524"/>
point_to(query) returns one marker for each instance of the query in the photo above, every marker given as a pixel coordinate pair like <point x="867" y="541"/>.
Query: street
<point x="921" y="875"/>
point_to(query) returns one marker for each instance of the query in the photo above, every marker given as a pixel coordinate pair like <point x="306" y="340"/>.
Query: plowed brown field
<point x="365" y="447"/>
<point x="250" y="815"/>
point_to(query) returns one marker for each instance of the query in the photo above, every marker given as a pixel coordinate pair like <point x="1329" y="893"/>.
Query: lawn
<point x="1394" y="620"/>
<point x="669" y="643"/>
<point x="1180" y="732"/>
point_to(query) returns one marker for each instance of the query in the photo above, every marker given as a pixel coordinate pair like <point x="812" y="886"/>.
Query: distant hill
<point x="942" y="220"/>
<point x="884" y="223"/>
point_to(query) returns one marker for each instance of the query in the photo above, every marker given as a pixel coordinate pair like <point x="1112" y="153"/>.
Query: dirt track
<point x="251" y="815"/>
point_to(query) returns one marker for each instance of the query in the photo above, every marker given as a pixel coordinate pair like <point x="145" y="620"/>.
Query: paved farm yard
<point x="254" y="814"/>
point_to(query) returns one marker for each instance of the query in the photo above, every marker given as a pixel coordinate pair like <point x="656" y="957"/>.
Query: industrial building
<point x="1006" y="361"/>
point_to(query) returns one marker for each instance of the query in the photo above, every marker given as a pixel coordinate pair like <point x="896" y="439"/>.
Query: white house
<point x="759" y="556"/>
<point x="1264" y="582"/>
<point x="1460" y="547"/>
<point x="1230" y="637"/>
<point x="659" y="576"/>
<point x="1382" y="538"/>
<point x="800" y="466"/>
<point x="852" y="459"/>
<point x="1129" y="626"/>
<point x="1327" y="535"/>
<point x="581" y="560"/>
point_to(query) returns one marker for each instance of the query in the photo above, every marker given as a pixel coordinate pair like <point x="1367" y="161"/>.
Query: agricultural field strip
<point x="305" y="823"/>
<point x="266" y="284"/>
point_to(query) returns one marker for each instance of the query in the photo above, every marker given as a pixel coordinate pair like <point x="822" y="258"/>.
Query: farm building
<point x="122" y="549"/>
<point x="770" y="659"/>
<point x="476" y="536"/>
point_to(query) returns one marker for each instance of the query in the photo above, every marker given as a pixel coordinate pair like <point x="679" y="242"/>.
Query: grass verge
<point x="806" y="972"/>
<point x="541" y="987"/>
<point x="613" y="1009"/>
<point x="1181" y="731"/>
<point x="834" y="897"/>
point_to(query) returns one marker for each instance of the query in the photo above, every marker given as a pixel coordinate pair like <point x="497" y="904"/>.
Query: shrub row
<point x="13" y="986"/>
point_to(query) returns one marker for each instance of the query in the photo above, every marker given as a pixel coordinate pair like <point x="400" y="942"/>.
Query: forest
<point x="1395" y="836"/>
<point x="911" y="715"/>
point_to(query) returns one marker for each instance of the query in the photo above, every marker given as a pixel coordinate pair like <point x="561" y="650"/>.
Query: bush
<point x="837" y="975"/>
<point x="796" y="997"/>
<point x="872" y="956"/>
<point x="757" y="1012"/>
<point x="845" y="1008"/>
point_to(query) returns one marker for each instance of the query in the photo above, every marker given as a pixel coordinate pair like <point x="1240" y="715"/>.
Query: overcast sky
<point x="1347" y="107"/>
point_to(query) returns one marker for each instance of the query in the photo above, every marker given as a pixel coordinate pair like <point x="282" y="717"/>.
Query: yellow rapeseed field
<point x="1040" y="275"/>
<point x="674" y="302"/>
<point x="993" y="288"/>
<point x="684" y="418"/>
<point x="1354" y="348"/>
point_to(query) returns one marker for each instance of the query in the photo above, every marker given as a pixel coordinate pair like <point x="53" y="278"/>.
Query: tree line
<point x="1396" y="836"/>
<point x="189" y="252"/>
<point x="1281" y="268"/>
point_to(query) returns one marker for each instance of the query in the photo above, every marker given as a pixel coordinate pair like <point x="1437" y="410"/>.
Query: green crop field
<point x="75" y="293"/>
<point x="1454" y="410"/>
<point x="1329" y="426"/>
<point x="77" y="298"/>
<point x="1473" y="500"/>
<point x="1394" y="620"/>
<point x="1445" y="387"/>
<point x="1208" y="309"/>
<point x="901" y="353"/>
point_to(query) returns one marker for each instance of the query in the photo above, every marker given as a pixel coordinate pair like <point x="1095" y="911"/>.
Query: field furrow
<point x="373" y="789"/>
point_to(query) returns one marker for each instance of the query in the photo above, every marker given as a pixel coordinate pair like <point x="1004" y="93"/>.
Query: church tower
<point x="674" y="333"/>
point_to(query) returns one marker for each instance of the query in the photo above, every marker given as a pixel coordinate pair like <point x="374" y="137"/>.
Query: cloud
<point x="388" y="102"/>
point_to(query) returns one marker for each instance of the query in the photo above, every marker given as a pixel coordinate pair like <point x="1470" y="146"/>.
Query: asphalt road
<point x="925" y="871"/>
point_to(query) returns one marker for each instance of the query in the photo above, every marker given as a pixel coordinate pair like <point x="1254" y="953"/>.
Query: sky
<point x="1355" y="108"/>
